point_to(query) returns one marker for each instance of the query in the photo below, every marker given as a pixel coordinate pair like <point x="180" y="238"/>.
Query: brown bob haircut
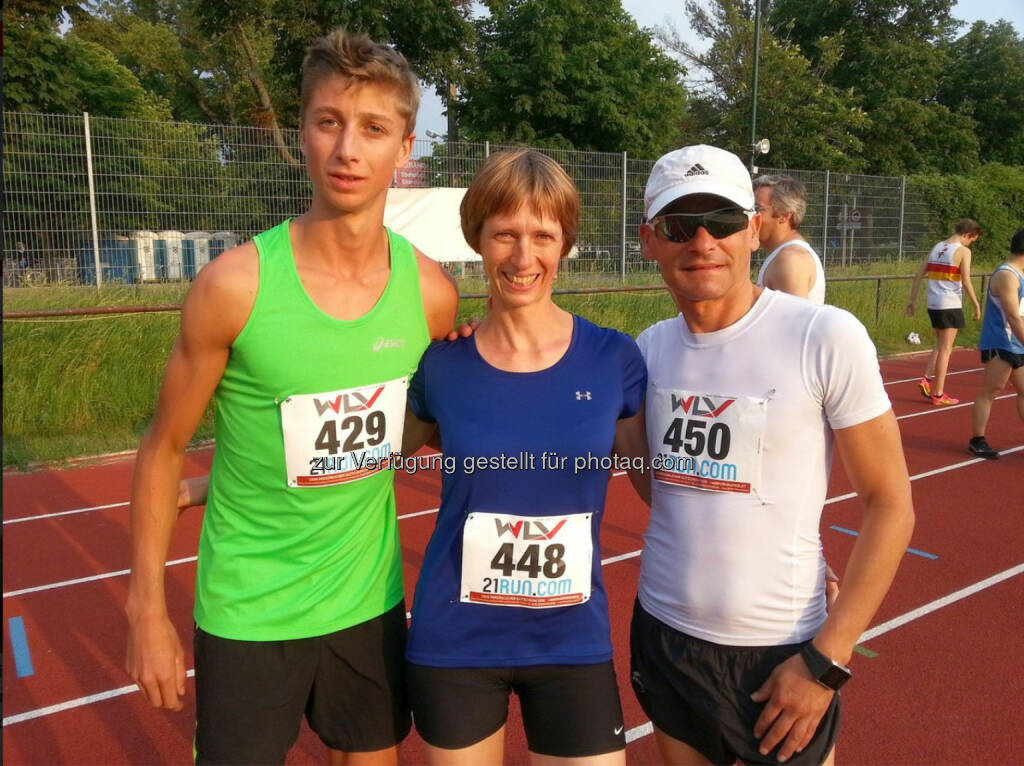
<point x="360" y="60"/>
<point x="510" y="179"/>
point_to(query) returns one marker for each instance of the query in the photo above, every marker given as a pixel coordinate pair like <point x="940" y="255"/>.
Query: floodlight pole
<point x="753" y="84"/>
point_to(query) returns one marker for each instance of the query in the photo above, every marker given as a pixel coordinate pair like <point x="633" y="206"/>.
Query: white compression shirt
<point x="817" y="293"/>
<point x="732" y="554"/>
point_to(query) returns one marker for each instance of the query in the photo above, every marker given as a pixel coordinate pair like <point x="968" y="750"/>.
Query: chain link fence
<point x="90" y="199"/>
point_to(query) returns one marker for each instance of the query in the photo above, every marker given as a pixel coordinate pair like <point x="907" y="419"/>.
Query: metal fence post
<point x="487" y="149"/>
<point x="92" y="201"/>
<point x="623" y="238"/>
<point x="903" y="198"/>
<point x="824" y="224"/>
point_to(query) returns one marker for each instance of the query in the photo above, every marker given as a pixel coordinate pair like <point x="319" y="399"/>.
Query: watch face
<point x="835" y="677"/>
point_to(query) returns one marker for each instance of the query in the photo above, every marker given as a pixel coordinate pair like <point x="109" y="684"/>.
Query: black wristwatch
<point x="825" y="670"/>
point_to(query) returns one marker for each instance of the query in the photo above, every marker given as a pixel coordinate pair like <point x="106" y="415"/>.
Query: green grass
<point x="84" y="386"/>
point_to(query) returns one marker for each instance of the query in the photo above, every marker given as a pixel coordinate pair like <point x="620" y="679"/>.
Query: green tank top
<point x="300" y="535"/>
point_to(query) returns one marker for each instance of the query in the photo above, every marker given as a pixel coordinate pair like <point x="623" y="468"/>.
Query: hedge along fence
<point x="993" y="195"/>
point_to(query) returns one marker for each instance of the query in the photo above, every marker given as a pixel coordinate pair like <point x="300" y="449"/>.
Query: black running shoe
<point x="978" y="446"/>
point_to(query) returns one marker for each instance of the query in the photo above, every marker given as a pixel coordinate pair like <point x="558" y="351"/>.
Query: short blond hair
<point x="359" y="59"/>
<point x="510" y="179"/>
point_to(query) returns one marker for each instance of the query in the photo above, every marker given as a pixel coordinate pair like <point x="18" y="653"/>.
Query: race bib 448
<point x="707" y="441"/>
<point x="342" y="436"/>
<point x="529" y="561"/>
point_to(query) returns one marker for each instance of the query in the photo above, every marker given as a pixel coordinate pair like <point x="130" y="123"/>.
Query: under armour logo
<point x="697" y="170"/>
<point x="582" y="395"/>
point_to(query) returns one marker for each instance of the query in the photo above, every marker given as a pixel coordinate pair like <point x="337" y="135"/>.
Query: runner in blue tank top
<point x="1001" y="343"/>
<point x="510" y="596"/>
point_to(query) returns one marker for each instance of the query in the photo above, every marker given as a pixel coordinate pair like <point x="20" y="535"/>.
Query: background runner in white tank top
<point x="757" y="402"/>
<point x="945" y="288"/>
<point x="817" y="293"/>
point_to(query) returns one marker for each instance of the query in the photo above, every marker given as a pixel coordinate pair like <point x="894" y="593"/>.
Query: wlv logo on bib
<point x="702" y="406"/>
<point x="355" y="401"/>
<point x="541" y="533"/>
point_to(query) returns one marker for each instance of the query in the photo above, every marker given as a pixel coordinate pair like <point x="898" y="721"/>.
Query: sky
<point x="653" y="13"/>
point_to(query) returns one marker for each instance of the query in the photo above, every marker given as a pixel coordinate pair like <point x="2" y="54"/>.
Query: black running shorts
<point x="350" y="685"/>
<point x="1016" y="361"/>
<point x="947" y="319"/>
<point x="699" y="692"/>
<point x="569" y="711"/>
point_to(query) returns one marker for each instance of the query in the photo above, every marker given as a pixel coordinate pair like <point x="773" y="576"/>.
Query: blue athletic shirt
<point x="995" y="330"/>
<point x="569" y="411"/>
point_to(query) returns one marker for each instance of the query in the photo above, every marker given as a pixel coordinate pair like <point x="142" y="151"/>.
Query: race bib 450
<point x="707" y="441"/>
<point x="342" y="436"/>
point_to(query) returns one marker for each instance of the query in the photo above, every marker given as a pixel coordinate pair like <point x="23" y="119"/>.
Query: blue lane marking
<point x="19" y="643"/>
<point x="915" y="551"/>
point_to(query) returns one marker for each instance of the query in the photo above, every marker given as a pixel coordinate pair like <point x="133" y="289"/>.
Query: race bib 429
<point x="342" y="436"/>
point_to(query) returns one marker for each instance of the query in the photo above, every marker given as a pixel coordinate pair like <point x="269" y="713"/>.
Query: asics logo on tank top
<point x="697" y="170"/>
<point x="580" y="395"/>
<point x="382" y="343"/>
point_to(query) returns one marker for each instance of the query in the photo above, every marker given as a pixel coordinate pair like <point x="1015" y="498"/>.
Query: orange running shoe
<point x="944" y="399"/>
<point x="926" y="388"/>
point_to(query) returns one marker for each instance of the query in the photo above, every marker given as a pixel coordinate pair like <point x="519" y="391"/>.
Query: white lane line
<point x="948" y="374"/>
<point x="636" y="732"/>
<point x="123" y="572"/>
<point x="92" y="578"/>
<point x="104" y="507"/>
<point x="829" y="501"/>
<point x="70" y="704"/>
<point x="935" y="472"/>
<point x="939" y="603"/>
<point x="946" y="408"/>
<point x="64" y="513"/>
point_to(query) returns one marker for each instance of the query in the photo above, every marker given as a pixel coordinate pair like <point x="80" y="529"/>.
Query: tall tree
<point x="890" y="53"/>
<point x="572" y="73"/>
<point x="985" y="78"/>
<point x="811" y="124"/>
<point x="45" y="71"/>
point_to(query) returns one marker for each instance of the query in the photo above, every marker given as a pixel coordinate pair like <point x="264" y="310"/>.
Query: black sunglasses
<point x="682" y="227"/>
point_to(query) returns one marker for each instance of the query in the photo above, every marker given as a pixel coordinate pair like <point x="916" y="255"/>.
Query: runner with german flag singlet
<point x="510" y="597"/>
<point x="305" y="337"/>
<point x="948" y="269"/>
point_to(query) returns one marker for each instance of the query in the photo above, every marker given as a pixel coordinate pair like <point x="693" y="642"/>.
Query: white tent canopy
<point x="429" y="218"/>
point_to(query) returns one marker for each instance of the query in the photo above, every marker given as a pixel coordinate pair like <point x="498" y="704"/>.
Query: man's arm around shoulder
<point x="214" y="312"/>
<point x="440" y="296"/>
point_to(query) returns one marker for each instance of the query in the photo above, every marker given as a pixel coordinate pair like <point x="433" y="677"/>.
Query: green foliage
<point x="891" y="55"/>
<point x="571" y="73"/>
<point x="811" y="124"/>
<point x="985" y="79"/>
<point x="993" y="195"/>
<point x="44" y="72"/>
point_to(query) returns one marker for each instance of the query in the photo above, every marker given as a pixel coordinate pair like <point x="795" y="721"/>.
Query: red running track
<point x="943" y="684"/>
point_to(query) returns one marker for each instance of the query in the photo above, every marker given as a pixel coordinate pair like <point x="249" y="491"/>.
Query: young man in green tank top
<point x="305" y="338"/>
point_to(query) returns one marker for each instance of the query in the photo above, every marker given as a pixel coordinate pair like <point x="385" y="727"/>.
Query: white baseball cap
<point x="697" y="169"/>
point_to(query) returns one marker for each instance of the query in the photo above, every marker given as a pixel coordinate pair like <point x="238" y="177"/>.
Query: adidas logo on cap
<point x="699" y="169"/>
